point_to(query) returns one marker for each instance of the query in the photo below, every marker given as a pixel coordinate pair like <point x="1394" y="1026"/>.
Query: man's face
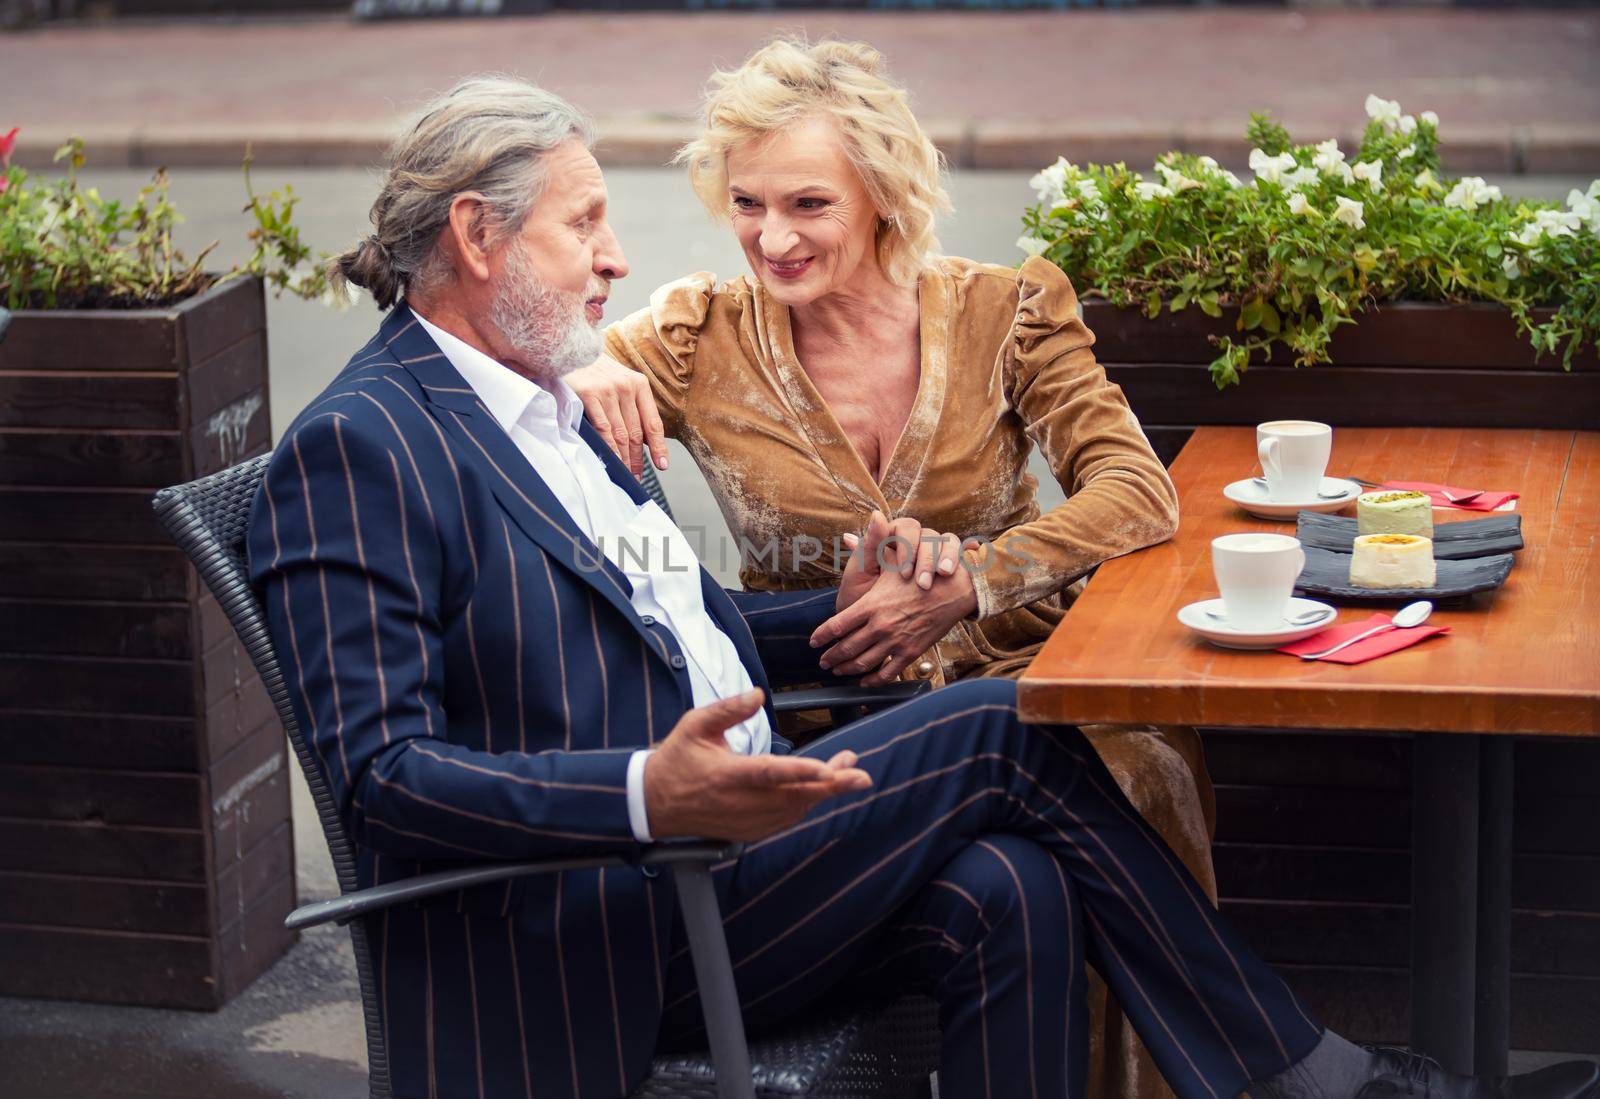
<point x="552" y="278"/>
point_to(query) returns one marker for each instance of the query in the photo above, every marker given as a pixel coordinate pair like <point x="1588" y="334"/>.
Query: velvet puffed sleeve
<point x="1119" y="497"/>
<point x="660" y="341"/>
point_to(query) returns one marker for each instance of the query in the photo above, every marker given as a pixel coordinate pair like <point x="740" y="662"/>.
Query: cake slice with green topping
<point x="1394" y="513"/>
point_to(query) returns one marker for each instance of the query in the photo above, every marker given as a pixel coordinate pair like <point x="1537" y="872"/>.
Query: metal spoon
<point x="1304" y="618"/>
<point x="1407" y="617"/>
<point x="1322" y="494"/>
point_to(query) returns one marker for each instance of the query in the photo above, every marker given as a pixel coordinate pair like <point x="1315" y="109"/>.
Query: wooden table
<point x="1521" y="661"/>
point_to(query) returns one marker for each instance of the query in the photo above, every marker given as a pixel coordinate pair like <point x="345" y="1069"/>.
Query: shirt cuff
<point x="638" y="820"/>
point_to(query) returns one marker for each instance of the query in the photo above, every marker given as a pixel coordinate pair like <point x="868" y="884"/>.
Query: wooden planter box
<point x="145" y="847"/>
<point x="1407" y="365"/>
<point x="1313" y="843"/>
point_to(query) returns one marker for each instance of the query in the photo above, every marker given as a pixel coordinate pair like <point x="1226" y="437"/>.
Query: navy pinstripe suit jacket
<point x="473" y="678"/>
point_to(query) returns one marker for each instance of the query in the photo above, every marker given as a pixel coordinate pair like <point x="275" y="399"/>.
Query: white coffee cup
<point x="1294" y="456"/>
<point x="1256" y="574"/>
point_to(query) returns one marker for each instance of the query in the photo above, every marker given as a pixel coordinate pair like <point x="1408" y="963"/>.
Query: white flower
<point x="1050" y="184"/>
<point x="1270" y="168"/>
<point x="1430" y="118"/>
<point x="1471" y="192"/>
<point x="1386" y="111"/>
<point x="1033" y="246"/>
<point x="1147" y="190"/>
<point x="1586" y="206"/>
<point x="1424" y="180"/>
<point x="1510" y="265"/>
<point x="1213" y="168"/>
<point x="1548" y="223"/>
<point x="1299" y="205"/>
<point x="1408" y="125"/>
<point x="1300" y="177"/>
<point x="1330" y="161"/>
<point x="1350" y="212"/>
<point x="1088" y="190"/>
<point x="1408" y="152"/>
<point x="1176" y="180"/>
<point x="1371" y="171"/>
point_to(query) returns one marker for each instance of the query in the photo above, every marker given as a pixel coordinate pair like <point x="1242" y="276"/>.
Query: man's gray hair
<point x="489" y="134"/>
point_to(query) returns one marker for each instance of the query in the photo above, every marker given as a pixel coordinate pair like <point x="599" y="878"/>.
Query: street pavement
<point x="296" y="1033"/>
<point x="1518" y="90"/>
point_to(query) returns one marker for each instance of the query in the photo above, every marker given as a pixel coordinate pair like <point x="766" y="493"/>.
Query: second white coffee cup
<point x="1294" y="456"/>
<point x="1256" y="574"/>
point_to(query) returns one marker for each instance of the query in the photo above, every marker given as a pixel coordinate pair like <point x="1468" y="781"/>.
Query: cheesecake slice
<point x="1392" y="561"/>
<point x="1394" y="513"/>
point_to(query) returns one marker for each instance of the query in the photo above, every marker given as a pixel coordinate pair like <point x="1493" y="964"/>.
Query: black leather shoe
<point x="1399" y="1072"/>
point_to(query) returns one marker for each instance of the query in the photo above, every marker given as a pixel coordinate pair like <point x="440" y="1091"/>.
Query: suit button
<point x="679" y="662"/>
<point x="924" y="669"/>
<point x="648" y="620"/>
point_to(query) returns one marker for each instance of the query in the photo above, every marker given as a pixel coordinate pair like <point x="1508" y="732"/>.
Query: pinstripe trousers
<point x="990" y="861"/>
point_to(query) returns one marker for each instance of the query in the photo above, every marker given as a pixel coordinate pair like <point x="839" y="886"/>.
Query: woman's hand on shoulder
<point x="622" y="409"/>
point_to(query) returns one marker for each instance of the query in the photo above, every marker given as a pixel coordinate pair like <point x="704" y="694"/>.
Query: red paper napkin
<point x="1487" y="502"/>
<point x="1379" y="644"/>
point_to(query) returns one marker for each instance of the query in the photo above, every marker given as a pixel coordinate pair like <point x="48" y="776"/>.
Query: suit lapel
<point x="717" y="603"/>
<point x="519" y="490"/>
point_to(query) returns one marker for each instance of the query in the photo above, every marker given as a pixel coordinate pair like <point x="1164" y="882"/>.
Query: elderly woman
<point x="854" y="370"/>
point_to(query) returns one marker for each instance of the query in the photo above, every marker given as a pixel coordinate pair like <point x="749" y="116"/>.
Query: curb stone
<point x="987" y="144"/>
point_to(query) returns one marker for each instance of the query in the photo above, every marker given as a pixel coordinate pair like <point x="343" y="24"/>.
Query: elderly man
<point x="487" y="673"/>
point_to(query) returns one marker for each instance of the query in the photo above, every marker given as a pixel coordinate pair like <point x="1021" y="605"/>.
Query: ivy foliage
<point x="1315" y="238"/>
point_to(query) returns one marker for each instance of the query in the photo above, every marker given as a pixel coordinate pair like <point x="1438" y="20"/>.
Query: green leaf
<point x="1270" y="319"/>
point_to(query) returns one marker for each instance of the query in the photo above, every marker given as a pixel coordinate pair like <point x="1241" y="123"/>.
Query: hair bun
<point x="369" y="265"/>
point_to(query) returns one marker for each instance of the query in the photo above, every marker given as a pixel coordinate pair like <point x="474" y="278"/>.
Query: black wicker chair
<point x="857" y="1050"/>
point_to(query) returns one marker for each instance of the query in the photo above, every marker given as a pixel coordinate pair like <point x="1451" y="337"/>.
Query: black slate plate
<point x="1328" y="573"/>
<point x="1500" y="533"/>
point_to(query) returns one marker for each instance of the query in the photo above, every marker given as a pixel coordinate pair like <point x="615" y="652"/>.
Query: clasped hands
<point x="901" y="591"/>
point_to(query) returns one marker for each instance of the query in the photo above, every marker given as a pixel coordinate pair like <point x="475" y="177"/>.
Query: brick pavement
<point x="1519" y="91"/>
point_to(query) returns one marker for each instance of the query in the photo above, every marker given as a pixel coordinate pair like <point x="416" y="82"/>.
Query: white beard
<point x="547" y="328"/>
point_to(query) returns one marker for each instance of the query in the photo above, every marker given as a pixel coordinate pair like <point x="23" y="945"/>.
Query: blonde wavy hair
<point x="789" y="80"/>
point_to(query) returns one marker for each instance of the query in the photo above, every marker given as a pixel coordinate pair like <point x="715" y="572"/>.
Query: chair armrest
<point x="375" y="898"/>
<point x="827" y="698"/>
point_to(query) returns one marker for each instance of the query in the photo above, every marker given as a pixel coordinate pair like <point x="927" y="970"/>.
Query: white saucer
<point x="1253" y="498"/>
<point x="1220" y="633"/>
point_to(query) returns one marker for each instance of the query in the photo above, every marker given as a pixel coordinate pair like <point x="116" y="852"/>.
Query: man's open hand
<point x="695" y="785"/>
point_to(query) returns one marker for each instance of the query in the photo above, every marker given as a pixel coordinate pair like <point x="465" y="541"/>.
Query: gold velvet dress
<point x="1006" y="364"/>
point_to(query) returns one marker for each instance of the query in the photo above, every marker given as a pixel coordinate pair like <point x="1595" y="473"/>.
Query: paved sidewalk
<point x="1519" y="91"/>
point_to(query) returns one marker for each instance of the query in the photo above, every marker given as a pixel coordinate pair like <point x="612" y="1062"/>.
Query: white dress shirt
<point x="639" y="539"/>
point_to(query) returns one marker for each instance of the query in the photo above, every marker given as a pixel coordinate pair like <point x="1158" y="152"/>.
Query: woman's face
<point x="801" y="214"/>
